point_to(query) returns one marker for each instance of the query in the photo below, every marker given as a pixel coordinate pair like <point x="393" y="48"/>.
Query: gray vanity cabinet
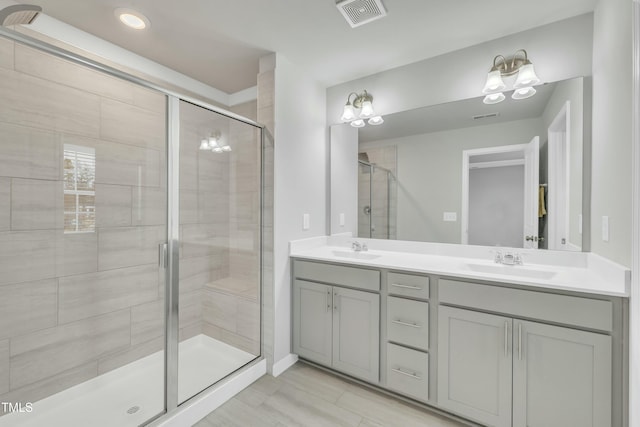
<point x="474" y="365"/>
<point x="494" y="367"/>
<point x="561" y="376"/>
<point x="312" y="321"/>
<point x="337" y="327"/>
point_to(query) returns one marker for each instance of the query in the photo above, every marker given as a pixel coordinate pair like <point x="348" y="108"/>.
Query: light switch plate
<point x="605" y="228"/>
<point x="341" y="220"/>
<point x="305" y="221"/>
<point x="580" y="224"/>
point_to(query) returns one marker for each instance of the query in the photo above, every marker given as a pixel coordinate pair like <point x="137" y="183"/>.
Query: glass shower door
<point x="82" y="212"/>
<point x="219" y="264"/>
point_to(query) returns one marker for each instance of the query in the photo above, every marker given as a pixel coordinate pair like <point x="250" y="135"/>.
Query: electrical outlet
<point x="305" y="221"/>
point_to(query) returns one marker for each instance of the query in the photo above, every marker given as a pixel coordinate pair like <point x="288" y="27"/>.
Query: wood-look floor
<point x="307" y="396"/>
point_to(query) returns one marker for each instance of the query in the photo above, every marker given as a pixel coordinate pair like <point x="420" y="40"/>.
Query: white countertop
<point x="575" y="271"/>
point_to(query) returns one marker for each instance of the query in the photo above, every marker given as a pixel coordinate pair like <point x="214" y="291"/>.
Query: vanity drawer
<point x="338" y="275"/>
<point x="565" y="309"/>
<point x="408" y="371"/>
<point x="408" y="322"/>
<point x="409" y="285"/>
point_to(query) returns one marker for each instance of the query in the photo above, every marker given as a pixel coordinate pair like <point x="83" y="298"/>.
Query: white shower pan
<point x="134" y="393"/>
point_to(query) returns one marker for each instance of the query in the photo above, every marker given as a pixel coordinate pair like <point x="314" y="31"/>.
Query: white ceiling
<point x="219" y="42"/>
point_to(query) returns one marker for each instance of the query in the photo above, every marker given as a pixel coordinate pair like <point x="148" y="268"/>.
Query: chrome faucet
<point x="508" y="258"/>
<point x="357" y="246"/>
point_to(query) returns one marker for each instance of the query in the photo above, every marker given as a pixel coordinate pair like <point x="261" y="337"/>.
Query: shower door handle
<point x="162" y="255"/>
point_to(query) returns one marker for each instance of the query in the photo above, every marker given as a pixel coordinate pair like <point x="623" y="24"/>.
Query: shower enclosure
<point x="130" y="242"/>
<point x="377" y="189"/>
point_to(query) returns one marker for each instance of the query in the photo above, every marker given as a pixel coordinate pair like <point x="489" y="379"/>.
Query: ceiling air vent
<point x="486" y="116"/>
<point x="360" y="12"/>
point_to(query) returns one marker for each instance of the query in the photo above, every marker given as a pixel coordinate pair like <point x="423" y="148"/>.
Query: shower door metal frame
<point x="372" y="167"/>
<point x="169" y="252"/>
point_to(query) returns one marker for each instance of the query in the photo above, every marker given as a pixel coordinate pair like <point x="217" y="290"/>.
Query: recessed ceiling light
<point x="132" y="18"/>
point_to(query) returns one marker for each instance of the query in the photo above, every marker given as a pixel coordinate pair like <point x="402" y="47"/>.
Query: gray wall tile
<point x="6" y="53"/>
<point x="5" y="204"/>
<point x="28" y="307"/>
<point x="147" y="321"/>
<point x="27" y="152"/>
<point x="132" y="125"/>
<point x="36" y="204"/>
<point x="76" y="253"/>
<point x="4" y="367"/>
<point x="149" y="206"/>
<point x="113" y="205"/>
<point x="39" y="64"/>
<point x="42" y="354"/>
<point x="88" y="295"/>
<point x="31" y="101"/>
<point x="27" y="256"/>
<point x="129" y="246"/>
<point x="131" y="354"/>
<point x="220" y="309"/>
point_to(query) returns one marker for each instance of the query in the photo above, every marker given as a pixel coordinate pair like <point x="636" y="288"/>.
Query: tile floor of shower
<point x="134" y="393"/>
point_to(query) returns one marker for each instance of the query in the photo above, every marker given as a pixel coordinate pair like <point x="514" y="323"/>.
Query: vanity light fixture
<point x="132" y="18"/>
<point x="363" y="102"/>
<point x="503" y="67"/>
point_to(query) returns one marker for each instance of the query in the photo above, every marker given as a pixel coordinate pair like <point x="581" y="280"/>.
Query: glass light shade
<point x="217" y="150"/>
<point x="526" y="76"/>
<point x="204" y="145"/>
<point x="226" y="148"/>
<point x="377" y="120"/>
<point x="357" y="123"/>
<point x="348" y="113"/>
<point x="494" y="98"/>
<point x="367" y="110"/>
<point x="523" y="93"/>
<point x="213" y="142"/>
<point x="494" y="82"/>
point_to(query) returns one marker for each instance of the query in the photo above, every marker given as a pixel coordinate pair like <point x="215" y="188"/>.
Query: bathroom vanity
<point x="494" y="344"/>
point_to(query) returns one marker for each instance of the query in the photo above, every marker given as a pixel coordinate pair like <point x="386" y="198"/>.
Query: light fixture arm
<point x="509" y="67"/>
<point x="359" y="98"/>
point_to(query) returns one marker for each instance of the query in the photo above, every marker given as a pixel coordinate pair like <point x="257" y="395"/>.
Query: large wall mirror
<point x="509" y="174"/>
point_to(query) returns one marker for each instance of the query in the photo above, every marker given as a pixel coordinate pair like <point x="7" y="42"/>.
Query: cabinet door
<point x="561" y="377"/>
<point x="356" y="333"/>
<point x="474" y="365"/>
<point x="312" y="318"/>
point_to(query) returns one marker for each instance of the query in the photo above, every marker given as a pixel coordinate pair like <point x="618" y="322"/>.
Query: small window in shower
<point x="79" y="189"/>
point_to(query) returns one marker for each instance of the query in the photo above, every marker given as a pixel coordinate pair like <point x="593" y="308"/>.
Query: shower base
<point x="134" y="393"/>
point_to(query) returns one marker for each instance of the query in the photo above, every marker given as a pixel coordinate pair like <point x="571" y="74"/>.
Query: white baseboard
<point x="283" y="364"/>
<point x="202" y="406"/>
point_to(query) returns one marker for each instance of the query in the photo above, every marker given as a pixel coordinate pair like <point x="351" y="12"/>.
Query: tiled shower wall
<point x="383" y="206"/>
<point x="74" y="306"/>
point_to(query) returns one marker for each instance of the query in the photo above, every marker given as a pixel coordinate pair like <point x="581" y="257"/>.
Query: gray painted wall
<point x="430" y="175"/>
<point x="611" y="140"/>
<point x="560" y="51"/>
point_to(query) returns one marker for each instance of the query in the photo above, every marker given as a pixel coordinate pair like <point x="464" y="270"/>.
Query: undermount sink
<point x="354" y="255"/>
<point x="512" y="270"/>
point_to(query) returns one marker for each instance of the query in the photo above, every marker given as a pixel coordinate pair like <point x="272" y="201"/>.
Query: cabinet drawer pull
<point x="408" y="374"/>
<point x="415" y="288"/>
<point x="411" y="325"/>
